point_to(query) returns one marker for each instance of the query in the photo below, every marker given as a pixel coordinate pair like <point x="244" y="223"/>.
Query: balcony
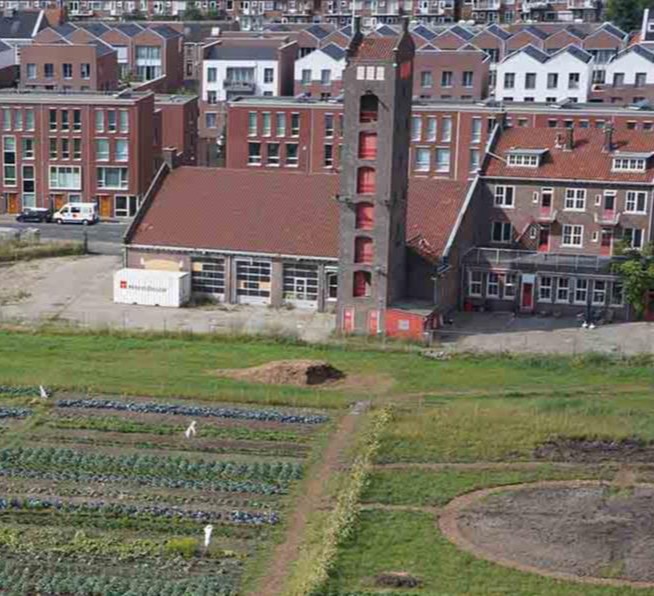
<point x="242" y="87"/>
<point x="607" y="218"/>
<point x="529" y="5"/>
<point x="486" y="4"/>
<point x="546" y="215"/>
<point x="582" y="4"/>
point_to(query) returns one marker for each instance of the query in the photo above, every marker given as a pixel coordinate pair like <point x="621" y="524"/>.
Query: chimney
<point x="608" y="138"/>
<point x="559" y="143"/>
<point x="170" y="157"/>
<point x="405" y="25"/>
<point x="569" y="139"/>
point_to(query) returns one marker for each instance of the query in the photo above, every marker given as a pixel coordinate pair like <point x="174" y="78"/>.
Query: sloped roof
<point x="462" y="32"/>
<point x="575" y="51"/>
<point x="317" y="31"/>
<point x="129" y="29"/>
<point x="20" y="25"/>
<point x="576" y="32"/>
<point x="613" y="30"/>
<point x="275" y="212"/>
<point x="96" y="29"/>
<point x="334" y="51"/>
<point x="640" y="50"/>
<point x="347" y="31"/>
<point x="386" y="31"/>
<point x="497" y="31"/>
<point x="536" y="32"/>
<point x="424" y="32"/>
<point x="377" y="48"/>
<point x="65" y="29"/>
<point x="532" y="51"/>
<point x="587" y="161"/>
<point x="101" y="48"/>
<point x="166" y="31"/>
<point x="246" y="52"/>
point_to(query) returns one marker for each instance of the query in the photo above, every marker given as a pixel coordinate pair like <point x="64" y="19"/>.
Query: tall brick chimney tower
<point x="378" y="82"/>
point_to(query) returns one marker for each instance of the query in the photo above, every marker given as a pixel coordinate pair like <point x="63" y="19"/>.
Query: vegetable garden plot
<point x="125" y="512"/>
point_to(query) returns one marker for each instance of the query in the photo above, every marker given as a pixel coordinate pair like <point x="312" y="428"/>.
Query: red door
<point x="373" y="322"/>
<point x="348" y="320"/>
<point x="607" y="242"/>
<point x="544" y="239"/>
<point x="527" y="302"/>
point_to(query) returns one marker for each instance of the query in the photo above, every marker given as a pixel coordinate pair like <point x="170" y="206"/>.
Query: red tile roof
<point x="377" y="48"/>
<point x="278" y="213"/>
<point x="586" y="161"/>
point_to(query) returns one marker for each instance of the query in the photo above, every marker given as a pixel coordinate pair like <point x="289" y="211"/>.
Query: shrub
<point x="184" y="547"/>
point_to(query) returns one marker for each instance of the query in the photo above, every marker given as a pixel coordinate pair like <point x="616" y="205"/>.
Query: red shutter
<point x="363" y="250"/>
<point x="365" y="216"/>
<point x="361" y="284"/>
<point x="366" y="183"/>
<point x="368" y="145"/>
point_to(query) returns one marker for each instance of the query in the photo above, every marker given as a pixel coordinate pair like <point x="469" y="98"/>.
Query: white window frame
<point x="475" y="279"/>
<point x="548" y="287"/>
<point x="557" y="296"/>
<point x="575" y="199"/>
<point x="581" y="281"/>
<point x="575" y="231"/>
<point x="632" y="198"/>
<point x="493" y="281"/>
<point x="505" y="227"/>
<point x="596" y="293"/>
<point x="500" y="196"/>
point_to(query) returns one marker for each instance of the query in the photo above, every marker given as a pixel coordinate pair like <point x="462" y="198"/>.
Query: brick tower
<point x="378" y="82"/>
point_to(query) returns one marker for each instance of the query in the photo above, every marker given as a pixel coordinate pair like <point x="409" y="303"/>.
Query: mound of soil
<point x="396" y="579"/>
<point x="287" y="372"/>
<point x="596" y="450"/>
<point x="586" y="530"/>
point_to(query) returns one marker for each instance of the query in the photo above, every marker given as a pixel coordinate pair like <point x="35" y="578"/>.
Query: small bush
<point x="184" y="547"/>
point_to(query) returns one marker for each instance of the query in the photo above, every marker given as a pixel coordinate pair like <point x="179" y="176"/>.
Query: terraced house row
<point x="393" y="212"/>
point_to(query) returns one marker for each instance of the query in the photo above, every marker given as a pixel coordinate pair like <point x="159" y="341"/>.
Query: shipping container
<point x="149" y="287"/>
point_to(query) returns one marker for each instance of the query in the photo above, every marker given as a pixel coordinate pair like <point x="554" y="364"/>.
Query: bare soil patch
<point x="596" y="450"/>
<point x="586" y="531"/>
<point x="286" y="372"/>
<point x="396" y="579"/>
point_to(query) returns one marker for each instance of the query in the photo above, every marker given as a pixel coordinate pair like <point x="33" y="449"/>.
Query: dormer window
<point x="528" y="158"/>
<point x="629" y="164"/>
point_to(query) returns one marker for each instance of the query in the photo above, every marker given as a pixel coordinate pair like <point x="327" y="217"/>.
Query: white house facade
<point x="323" y="66"/>
<point x="631" y="67"/>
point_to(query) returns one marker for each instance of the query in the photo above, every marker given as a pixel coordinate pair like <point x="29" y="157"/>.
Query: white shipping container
<point x="150" y="287"/>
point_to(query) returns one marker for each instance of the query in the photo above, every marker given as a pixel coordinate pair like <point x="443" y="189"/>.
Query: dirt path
<point x="310" y="501"/>
<point x="518" y="465"/>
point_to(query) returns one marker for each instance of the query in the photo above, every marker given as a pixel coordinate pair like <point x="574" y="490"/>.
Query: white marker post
<point x="208" y="529"/>
<point x="191" y="430"/>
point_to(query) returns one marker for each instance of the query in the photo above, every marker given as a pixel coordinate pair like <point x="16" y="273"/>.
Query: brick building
<point x="177" y="118"/>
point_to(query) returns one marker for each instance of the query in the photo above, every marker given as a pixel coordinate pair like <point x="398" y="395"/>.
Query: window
<point x="53" y="119"/>
<point x="65" y="148"/>
<point x="29" y="119"/>
<point x="65" y="177"/>
<point x="300" y="282"/>
<point x="641" y="79"/>
<point x="502" y="232"/>
<point x="291" y="154"/>
<point x="53" y="144"/>
<point x="573" y="80"/>
<point x="306" y="76"/>
<point x="509" y="286"/>
<point x="575" y="199"/>
<point x="111" y="120"/>
<point x="268" y="75"/>
<point x="633" y="237"/>
<point x="563" y="289"/>
<point x="77" y="120"/>
<point x="446" y="129"/>
<point x="99" y="121"/>
<point x="599" y="292"/>
<point x="416" y="128"/>
<point x="552" y="80"/>
<point x="9" y="160"/>
<point x="363" y="250"/>
<point x="545" y="289"/>
<point x="127" y="206"/>
<point x="112" y="178"/>
<point x="77" y="148"/>
<point x="368" y="108"/>
<point x="48" y="71"/>
<point x="252" y="124"/>
<point x="67" y="70"/>
<point x="504" y="196"/>
<point x="329" y="125"/>
<point x="474" y="283"/>
<point x="18" y="120"/>
<point x="362" y="284"/>
<point x="617" y="294"/>
<point x="625" y="164"/>
<point x="29" y="187"/>
<point x="27" y="148"/>
<point x="328" y="155"/>
<point x="581" y="291"/>
<point x="295" y="125"/>
<point x="475" y="160"/>
<point x="280" y="123"/>
<point x="446" y="78"/>
<point x="266" y="124"/>
<point x="212" y="97"/>
<point x="476" y="130"/>
<point x="212" y="74"/>
<point x="443" y="157"/>
<point x="123" y="121"/>
<point x="509" y="80"/>
<point x="422" y="159"/>
<point x="240" y="75"/>
<point x="468" y="77"/>
<point x="618" y="79"/>
<point x="493" y="285"/>
<point x="211" y="120"/>
<point x="365" y="216"/>
<point x="530" y="80"/>
<point x="273" y="154"/>
<point x="636" y="202"/>
<point x="431" y="129"/>
<point x="254" y="154"/>
<point x="366" y="181"/>
<point x="65" y="122"/>
<point x="325" y="76"/>
<point x="85" y="71"/>
<point x="524" y="160"/>
<point x="31" y="71"/>
<point x="122" y="150"/>
<point x="573" y="235"/>
<point x="102" y="150"/>
<point x="426" y="79"/>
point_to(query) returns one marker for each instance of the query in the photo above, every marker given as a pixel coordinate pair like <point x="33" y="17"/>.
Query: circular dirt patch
<point x="286" y="372"/>
<point x="583" y="531"/>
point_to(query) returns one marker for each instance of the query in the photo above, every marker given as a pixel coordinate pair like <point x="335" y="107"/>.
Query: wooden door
<point x="13" y="203"/>
<point x="105" y="208"/>
<point x="544" y="239"/>
<point x="527" y="302"/>
<point x="607" y="242"/>
<point x="59" y="201"/>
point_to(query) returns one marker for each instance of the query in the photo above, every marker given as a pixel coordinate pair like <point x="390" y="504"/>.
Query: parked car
<point x="35" y="214"/>
<point x="79" y="213"/>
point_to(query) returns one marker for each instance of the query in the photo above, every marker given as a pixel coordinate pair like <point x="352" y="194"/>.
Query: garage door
<point x="253" y="279"/>
<point x="208" y="276"/>
<point x="301" y="285"/>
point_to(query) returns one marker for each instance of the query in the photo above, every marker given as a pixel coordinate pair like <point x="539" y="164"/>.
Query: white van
<point x="80" y="213"/>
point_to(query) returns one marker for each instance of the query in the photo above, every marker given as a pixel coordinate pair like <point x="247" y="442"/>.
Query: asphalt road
<point x="103" y="238"/>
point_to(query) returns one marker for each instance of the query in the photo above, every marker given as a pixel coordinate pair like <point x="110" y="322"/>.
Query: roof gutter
<point x="573" y="180"/>
<point x="460" y="216"/>
<point x="37" y="26"/>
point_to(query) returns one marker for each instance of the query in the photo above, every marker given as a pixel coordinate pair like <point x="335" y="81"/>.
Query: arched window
<point x="369" y="108"/>
<point x="363" y="250"/>
<point x="365" y="216"/>
<point x="366" y="181"/>
<point x="367" y="145"/>
<point x="362" y="284"/>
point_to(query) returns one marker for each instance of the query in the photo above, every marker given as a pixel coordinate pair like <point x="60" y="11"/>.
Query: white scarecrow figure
<point x="44" y="392"/>
<point x="207" y="535"/>
<point x="191" y="430"/>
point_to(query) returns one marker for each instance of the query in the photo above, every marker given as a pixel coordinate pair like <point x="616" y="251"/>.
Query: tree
<point x="192" y="12"/>
<point x="637" y="273"/>
<point x="626" y="14"/>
